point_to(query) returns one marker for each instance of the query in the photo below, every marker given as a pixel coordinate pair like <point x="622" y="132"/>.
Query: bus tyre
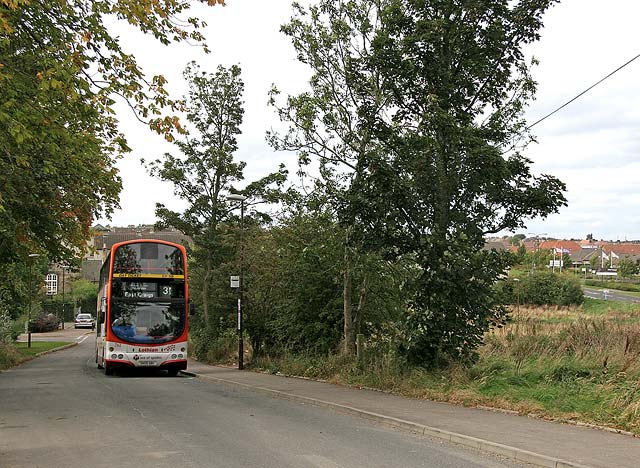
<point x="108" y="370"/>
<point x="172" y="372"/>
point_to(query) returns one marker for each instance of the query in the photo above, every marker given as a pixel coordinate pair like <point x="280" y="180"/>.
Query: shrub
<point x="44" y="323"/>
<point x="547" y="288"/>
<point x="8" y="355"/>
<point x="631" y="287"/>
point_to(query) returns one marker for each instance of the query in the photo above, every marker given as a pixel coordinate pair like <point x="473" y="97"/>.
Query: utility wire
<point x="582" y="93"/>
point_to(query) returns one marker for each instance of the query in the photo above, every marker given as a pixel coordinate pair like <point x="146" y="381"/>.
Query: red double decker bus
<point x="143" y="305"/>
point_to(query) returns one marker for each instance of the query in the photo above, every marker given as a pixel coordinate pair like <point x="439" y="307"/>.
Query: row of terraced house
<point x="586" y="255"/>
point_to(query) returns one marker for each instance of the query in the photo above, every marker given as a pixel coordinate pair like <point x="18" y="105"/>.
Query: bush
<point x="9" y="356"/>
<point x="44" y="323"/>
<point x="548" y="288"/>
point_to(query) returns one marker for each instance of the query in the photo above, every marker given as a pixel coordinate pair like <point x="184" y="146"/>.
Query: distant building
<point x="560" y="245"/>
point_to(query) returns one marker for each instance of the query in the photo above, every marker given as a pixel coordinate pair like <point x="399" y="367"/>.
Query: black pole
<point x="240" y="340"/>
<point x="29" y="315"/>
<point x="63" y="303"/>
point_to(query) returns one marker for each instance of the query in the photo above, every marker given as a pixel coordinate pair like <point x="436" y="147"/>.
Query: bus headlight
<point x="120" y="356"/>
<point x="173" y="356"/>
<point x="180" y="356"/>
<point x="114" y="356"/>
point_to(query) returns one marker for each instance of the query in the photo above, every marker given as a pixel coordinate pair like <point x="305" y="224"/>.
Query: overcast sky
<point x="593" y="145"/>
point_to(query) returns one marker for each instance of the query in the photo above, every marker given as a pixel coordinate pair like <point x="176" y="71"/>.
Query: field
<point x="573" y="364"/>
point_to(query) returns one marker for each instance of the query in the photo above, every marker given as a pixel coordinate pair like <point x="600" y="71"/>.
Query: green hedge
<point x="541" y="288"/>
<point x="614" y="285"/>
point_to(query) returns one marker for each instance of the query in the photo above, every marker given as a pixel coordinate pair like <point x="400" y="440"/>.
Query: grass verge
<point x="580" y="364"/>
<point x="16" y="353"/>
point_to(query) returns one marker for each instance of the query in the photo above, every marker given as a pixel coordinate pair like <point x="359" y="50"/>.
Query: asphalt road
<point x="609" y="295"/>
<point x="60" y="411"/>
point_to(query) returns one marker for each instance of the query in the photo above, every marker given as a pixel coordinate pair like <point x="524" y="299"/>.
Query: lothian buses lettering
<point x="163" y="349"/>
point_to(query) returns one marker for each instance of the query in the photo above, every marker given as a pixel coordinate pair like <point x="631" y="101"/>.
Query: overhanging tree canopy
<point x="60" y="73"/>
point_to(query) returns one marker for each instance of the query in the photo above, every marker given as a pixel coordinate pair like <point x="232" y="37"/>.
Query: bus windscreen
<point x="149" y="260"/>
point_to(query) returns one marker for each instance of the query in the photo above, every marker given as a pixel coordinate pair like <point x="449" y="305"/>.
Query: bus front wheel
<point x="108" y="370"/>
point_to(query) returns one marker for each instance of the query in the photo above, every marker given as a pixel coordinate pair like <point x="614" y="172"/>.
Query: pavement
<point x="521" y="438"/>
<point x="69" y="333"/>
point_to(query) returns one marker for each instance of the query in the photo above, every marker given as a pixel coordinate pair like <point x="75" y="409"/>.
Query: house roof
<point x="571" y="246"/>
<point x="584" y="254"/>
<point x="530" y="245"/>
<point x="499" y="246"/>
<point x="626" y="248"/>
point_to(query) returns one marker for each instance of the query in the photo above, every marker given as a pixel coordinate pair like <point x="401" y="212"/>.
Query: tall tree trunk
<point x="349" y="342"/>
<point x="205" y="290"/>
<point x="361" y="303"/>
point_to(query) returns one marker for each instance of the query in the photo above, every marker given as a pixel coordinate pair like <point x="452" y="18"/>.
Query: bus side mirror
<point x="192" y="309"/>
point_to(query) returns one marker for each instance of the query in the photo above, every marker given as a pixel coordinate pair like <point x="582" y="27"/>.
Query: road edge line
<point x="513" y="453"/>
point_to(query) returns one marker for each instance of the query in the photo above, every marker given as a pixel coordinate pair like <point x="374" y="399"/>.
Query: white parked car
<point x="85" y="321"/>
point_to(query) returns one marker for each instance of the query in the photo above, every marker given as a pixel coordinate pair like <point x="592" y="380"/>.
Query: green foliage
<point x="5" y="327"/>
<point x="295" y="291"/>
<point x="546" y="288"/>
<point x="81" y="294"/>
<point x="325" y="125"/>
<point x="202" y="177"/>
<point x="455" y="82"/>
<point x="60" y="73"/>
<point x="537" y="259"/>
<point x="9" y="355"/>
<point x="627" y="268"/>
<point x="295" y="285"/>
<point x="631" y="287"/>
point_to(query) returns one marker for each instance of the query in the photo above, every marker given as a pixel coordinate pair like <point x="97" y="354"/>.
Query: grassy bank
<point x="14" y="354"/>
<point x="569" y="364"/>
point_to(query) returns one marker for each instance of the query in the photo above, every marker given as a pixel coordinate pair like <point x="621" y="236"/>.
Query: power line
<point x="582" y="93"/>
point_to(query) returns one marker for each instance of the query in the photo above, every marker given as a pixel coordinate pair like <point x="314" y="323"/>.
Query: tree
<point x="627" y="268"/>
<point x="517" y="239"/>
<point x="206" y="172"/>
<point x="325" y="124"/>
<point x="60" y="71"/>
<point x="451" y="171"/>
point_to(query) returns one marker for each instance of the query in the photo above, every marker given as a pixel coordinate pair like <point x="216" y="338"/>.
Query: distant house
<point x="560" y="245"/>
<point x="613" y="252"/>
<point x="583" y="257"/>
<point x="493" y="245"/>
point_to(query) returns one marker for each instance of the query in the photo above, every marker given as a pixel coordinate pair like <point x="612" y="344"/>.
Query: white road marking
<point x="82" y="338"/>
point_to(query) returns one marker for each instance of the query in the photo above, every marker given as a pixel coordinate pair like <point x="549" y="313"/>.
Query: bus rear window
<point x="148" y="259"/>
